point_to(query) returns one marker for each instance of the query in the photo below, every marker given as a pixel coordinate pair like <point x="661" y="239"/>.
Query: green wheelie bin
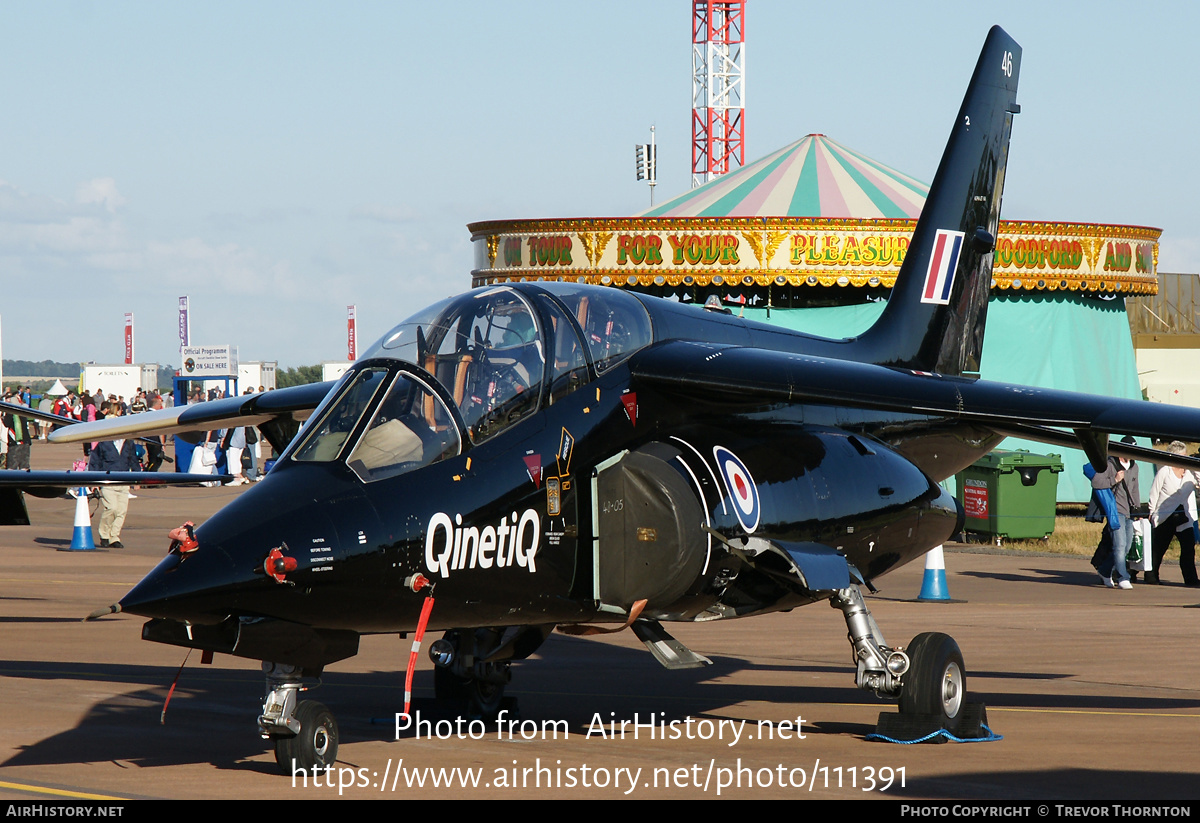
<point x="1010" y="494"/>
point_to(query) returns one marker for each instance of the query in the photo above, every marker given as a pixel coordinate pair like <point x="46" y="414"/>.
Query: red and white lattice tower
<point x="718" y="87"/>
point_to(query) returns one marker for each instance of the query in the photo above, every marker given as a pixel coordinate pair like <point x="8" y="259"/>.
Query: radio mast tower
<point x="718" y="87"/>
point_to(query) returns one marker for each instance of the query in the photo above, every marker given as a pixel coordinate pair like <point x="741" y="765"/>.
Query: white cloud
<point x="87" y="243"/>
<point x="18" y="205"/>
<point x="228" y="268"/>
<point x="104" y="259"/>
<point x="42" y="229"/>
<point x="102" y="190"/>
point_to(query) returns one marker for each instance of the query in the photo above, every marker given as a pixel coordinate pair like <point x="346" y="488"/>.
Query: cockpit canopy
<point x="499" y="354"/>
<point x="485" y="348"/>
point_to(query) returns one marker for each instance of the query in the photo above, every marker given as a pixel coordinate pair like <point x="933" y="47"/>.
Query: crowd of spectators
<point x="21" y="432"/>
<point x="143" y="454"/>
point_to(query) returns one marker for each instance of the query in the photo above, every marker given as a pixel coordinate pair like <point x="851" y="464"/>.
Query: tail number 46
<point x="1006" y="64"/>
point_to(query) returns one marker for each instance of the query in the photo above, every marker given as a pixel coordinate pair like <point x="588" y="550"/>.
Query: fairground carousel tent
<point x="811" y="237"/>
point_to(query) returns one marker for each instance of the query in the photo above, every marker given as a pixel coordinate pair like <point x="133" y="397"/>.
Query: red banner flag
<point x="128" y="338"/>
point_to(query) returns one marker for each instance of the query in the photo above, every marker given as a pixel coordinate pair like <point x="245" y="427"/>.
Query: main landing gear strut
<point x="462" y="674"/>
<point x="472" y="666"/>
<point x="928" y="677"/>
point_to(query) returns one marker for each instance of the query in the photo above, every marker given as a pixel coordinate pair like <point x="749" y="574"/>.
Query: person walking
<point x="1172" y="515"/>
<point x="113" y="456"/>
<point x="1121" y="477"/>
<point x="19" y="434"/>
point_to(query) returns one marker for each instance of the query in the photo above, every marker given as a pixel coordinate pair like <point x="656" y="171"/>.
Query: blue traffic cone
<point x="933" y="585"/>
<point x="81" y="538"/>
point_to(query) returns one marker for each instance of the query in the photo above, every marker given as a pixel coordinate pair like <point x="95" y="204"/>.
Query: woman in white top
<point x="1172" y="514"/>
<point x="235" y="443"/>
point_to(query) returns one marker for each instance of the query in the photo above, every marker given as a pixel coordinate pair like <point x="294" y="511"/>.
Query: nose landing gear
<point x="304" y="732"/>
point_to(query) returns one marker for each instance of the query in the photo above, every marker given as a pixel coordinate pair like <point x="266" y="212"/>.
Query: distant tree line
<point x="299" y="376"/>
<point x="44" y="368"/>
<point x="166" y="377"/>
<point x="68" y="372"/>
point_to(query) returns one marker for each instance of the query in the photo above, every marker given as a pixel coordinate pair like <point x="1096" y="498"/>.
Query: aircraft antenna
<point x="718" y="87"/>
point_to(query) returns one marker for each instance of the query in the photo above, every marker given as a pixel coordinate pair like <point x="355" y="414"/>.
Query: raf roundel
<point x="741" y="487"/>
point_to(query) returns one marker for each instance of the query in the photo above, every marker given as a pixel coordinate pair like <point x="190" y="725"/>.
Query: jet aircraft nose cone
<point x="184" y="587"/>
<point x="209" y="583"/>
<point x="147" y="595"/>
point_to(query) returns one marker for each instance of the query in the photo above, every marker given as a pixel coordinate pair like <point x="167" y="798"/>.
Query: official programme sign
<point x="210" y="361"/>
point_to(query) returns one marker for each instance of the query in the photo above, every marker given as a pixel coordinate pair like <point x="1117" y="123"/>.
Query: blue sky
<point x="278" y="161"/>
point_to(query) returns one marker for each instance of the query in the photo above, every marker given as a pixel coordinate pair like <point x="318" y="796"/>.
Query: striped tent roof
<point x="813" y="177"/>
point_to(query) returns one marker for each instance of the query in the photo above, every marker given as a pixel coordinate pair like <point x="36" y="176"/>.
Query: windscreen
<point x="324" y="441"/>
<point x="410" y="428"/>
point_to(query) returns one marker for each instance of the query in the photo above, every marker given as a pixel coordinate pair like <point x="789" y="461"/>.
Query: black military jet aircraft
<point x="560" y="455"/>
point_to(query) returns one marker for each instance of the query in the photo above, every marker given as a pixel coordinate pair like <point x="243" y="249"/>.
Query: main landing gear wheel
<point x="936" y="682"/>
<point x="483" y="699"/>
<point x="479" y="685"/>
<point x="315" y="746"/>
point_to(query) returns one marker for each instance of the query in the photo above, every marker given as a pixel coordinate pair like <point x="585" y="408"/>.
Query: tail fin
<point x="935" y="316"/>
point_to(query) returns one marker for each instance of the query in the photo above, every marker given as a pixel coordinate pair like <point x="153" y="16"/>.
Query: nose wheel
<point x="304" y="732"/>
<point x="315" y="746"/>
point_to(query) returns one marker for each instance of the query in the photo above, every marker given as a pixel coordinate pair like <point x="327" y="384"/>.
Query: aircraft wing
<point x="291" y="404"/>
<point x="760" y="375"/>
<point x="55" y="484"/>
<point x="34" y="414"/>
<point x="32" y="481"/>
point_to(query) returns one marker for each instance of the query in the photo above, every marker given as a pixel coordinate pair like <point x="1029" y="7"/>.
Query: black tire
<point x="449" y="687"/>
<point x="480" y="700"/>
<point x="485" y="700"/>
<point x="315" y="746"/>
<point x="936" y="682"/>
